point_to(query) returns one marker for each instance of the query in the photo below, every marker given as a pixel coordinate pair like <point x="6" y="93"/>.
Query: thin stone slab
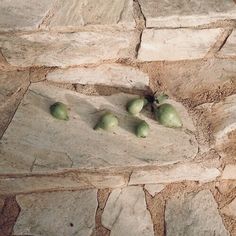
<point x="176" y="44"/>
<point x="37" y="142"/>
<point x="67" y="49"/>
<point x="230" y="209"/>
<point x="229" y="172"/>
<point x="153" y="189"/>
<point x="194" y="214"/>
<point x="229" y="48"/>
<point x="185" y="13"/>
<point x="23" y="15"/>
<point x="57" y="213"/>
<point x="72" y="14"/>
<point x="126" y="213"/>
<point x="115" y="75"/>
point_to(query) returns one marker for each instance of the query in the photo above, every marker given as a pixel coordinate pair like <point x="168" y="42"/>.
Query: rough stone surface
<point x="108" y="74"/>
<point x="176" y="44"/>
<point x="229" y="172"/>
<point x="228" y="50"/>
<point x="194" y="214"/>
<point x="74" y="13"/>
<point x="23" y="15"/>
<point x="67" y="49"/>
<point x="184" y="13"/>
<point x="153" y="189"/>
<point x="57" y="213"/>
<point x="230" y="209"/>
<point x="125" y="213"/>
<point x="35" y="130"/>
<point x="175" y="173"/>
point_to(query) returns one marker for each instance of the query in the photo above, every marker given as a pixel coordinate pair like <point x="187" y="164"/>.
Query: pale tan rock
<point x="126" y="213"/>
<point x="153" y="189"/>
<point x="176" y="44"/>
<point x="74" y="14"/>
<point x="229" y="172"/>
<point x="34" y="136"/>
<point x="23" y="15"/>
<point x="194" y="214"/>
<point x="107" y="74"/>
<point x="175" y="173"/>
<point x="228" y="50"/>
<point x="67" y="49"/>
<point x="57" y="213"/>
<point x="184" y="13"/>
<point x="230" y="209"/>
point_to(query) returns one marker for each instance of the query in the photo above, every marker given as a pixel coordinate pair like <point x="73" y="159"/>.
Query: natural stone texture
<point x="176" y="44"/>
<point x="13" y="85"/>
<point x="73" y="13"/>
<point x="153" y="189"/>
<point x="230" y="209"/>
<point x="23" y="15"/>
<point x="175" y="173"/>
<point x="185" y="13"/>
<point x="57" y="213"/>
<point x="229" y="172"/>
<point x="126" y="213"/>
<point x="194" y="214"/>
<point x="108" y="74"/>
<point x="35" y="136"/>
<point x="199" y="81"/>
<point x="67" y="49"/>
<point x="228" y="50"/>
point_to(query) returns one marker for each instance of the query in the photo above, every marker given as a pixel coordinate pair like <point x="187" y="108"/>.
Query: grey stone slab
<point x="153" y="189"/>
<point x="126" y="213"/>
<point x="176" y="44"/>
<point x="57" y="213"/>
<point x="229" y="48"/>
<point x="34" y="137"/>
<point x="194" y="214"/>
<point x="67" y="49"/>
<point x="185" y="13"/>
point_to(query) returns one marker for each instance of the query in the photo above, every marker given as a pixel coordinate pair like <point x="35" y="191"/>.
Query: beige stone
<point x="194" y="214"/>
<point x="57" y="213"/>
<point x="184" y="13"/>
<point x="67" y="49"/>
<point x="153" y="189"/>
<point x="176" y="44"/>
<point x="23" y="15"/>
<point x="126" y="213"/>
<point x="228" y="50"/>
<point x="34" y="136"/>
<point x="230" y="209"/>
<point x="73" y="13"/>
<point x="229" y="172"/>
<point x="175" y="173"/>
<point x="107" y="74"/>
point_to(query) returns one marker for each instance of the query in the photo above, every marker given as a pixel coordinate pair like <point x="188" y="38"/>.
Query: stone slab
<point x="23" y="15"/>
<point x="67" y="49"/>
<point x="229" y="48"/>
<point x="72" y="14"/>
<point x="229" y="172"/>
<point x="194" y="214"/>
<point x="126" y="213"/>
<point x="153" y="189"/>
<point x="176" y="44"/>
<point x="230" y="209"/>
<point x="115" y="75"/>
<point x="184" y="13"/>
<point x="57" y="213"/>
<point x="34" y="136"/>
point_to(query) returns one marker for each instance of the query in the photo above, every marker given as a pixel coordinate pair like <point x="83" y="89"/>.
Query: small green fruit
<point x="168" y="116"/>
<point x="107" y="122"/>
<point x="135" y="106"/>
<point x="142" y="129"/>
<point x="59" y="111"/>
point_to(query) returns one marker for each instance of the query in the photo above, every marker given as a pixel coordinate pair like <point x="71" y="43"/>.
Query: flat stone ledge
<point x="183" y="13"/>
<point x="114" y="74"/>
<point x="229" y="48"/>
<point x="176" y="44"/>
<point x="68" y="49"/>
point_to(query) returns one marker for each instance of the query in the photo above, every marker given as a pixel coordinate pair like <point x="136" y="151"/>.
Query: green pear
<point x="59" y="111"/>
<point x="107" y="122"/>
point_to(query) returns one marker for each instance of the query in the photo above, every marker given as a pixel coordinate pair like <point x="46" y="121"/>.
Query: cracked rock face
<point x="57" y="213"/>
<point x="126" y="213"/>
<point x="194" y="214"/>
